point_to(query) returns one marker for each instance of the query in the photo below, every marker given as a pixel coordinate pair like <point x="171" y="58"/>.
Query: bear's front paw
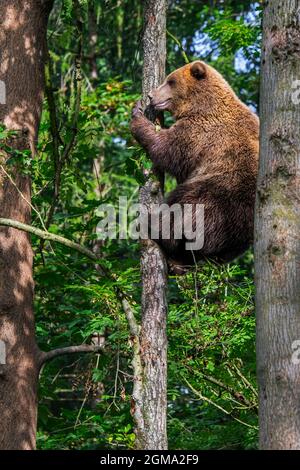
<point x="137" y="109"/>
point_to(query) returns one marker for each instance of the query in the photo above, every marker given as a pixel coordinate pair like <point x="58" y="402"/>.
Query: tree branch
<point x="50" y="236"/>
<point x="211" y="402"/>
<point x="134" y="327"/>
<point x="77" y="88"/>
<point x="82" y="348"/>
<point x="237" y="395"/>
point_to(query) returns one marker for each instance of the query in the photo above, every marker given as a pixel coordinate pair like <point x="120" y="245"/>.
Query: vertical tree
<point x="23" y="25"/>
<point x="277" y="239"/>
<point x="150" y="393"/>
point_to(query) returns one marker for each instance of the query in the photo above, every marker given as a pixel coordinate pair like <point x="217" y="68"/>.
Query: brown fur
<point x="212" y="151"/>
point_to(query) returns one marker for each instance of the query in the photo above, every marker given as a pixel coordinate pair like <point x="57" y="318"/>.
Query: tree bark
<point x="277" y="230"/>
<point x="23" y="25"/>
<point x="151" y="404"/>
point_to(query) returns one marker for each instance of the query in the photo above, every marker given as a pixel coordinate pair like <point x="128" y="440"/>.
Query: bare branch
<point x="52" y="109"/>
<point x="133" y="325"/>
<point x="78" y="91"/>
<point x="82" y="348"/>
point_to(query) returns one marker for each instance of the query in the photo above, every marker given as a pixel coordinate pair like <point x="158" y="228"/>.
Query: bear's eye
<point x="171" y="81"/>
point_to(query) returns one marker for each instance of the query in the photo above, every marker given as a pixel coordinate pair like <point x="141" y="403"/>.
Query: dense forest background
<point x="86" y="157"/>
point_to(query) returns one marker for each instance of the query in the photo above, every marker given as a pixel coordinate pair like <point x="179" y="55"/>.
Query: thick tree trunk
<point x="152" y="405"/>
<point x="277" y="231"/>
<point x="23" y="26"/>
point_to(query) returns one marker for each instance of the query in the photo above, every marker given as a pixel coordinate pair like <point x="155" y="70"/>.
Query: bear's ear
<point x="198" y="70"/>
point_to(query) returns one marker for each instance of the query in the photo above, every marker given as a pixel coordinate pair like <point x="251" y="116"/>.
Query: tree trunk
<point x="152" y="408"/>
<point x="23" y="25"/>
<point x="277" y="230"/>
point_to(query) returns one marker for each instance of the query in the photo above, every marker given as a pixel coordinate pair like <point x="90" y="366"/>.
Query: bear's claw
<point x="137" y="110"/>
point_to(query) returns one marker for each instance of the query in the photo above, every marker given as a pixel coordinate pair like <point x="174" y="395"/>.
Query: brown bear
<point x="212" y="151"/>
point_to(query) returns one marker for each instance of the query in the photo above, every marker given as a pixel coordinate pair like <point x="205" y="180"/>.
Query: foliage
<point x="212" y="359"/>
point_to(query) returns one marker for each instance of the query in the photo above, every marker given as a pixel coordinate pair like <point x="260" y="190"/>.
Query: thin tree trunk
<point x="23" y="26"/>
<point x="277" y="231"/>
<point x="152" y="407"/>
<point x="93" y="41"/>
<point x="119" y="31"/>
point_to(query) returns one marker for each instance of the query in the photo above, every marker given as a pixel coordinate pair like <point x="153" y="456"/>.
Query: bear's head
<point x="191" y="89"/>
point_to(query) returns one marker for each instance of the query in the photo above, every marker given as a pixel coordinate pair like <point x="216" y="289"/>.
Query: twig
<point x="55" y="139"/>
<point x="237" y="395"/>
<point x="78" y="91"/>
<point x="245" y="380"/>
<point x="211" y="402"/>
<point x="52" y="109"/>
<point x="136" y="364"/>
<point x="183" y="53"/>
<point x="22" y="196"/>
<point x="195" y="273"/>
